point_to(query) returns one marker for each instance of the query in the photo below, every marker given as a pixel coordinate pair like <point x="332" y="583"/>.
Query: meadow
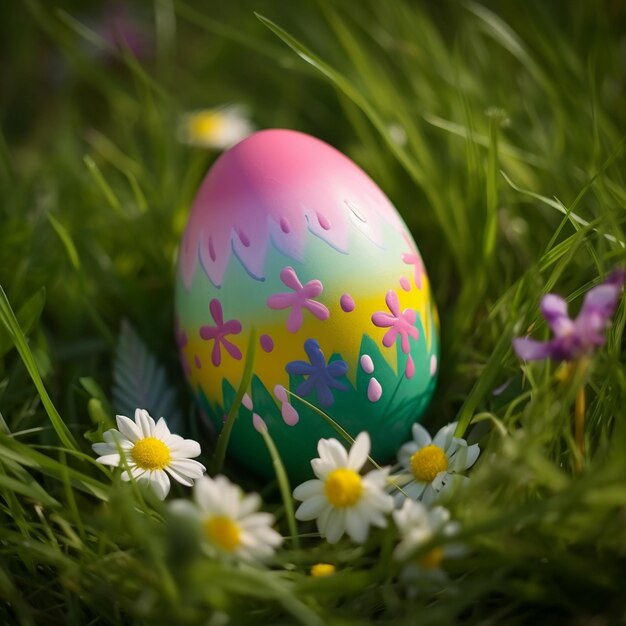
<point x="497" y="129"/>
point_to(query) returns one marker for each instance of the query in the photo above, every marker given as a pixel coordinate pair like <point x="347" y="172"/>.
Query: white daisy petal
<point x="356" y="526"/>
<point x="429" y="496"/>
<point x="376" y="518"/>
<point x="109" y="459"/>
<point x="406" y="452"/>
<point x="160" y="483"/>
<point x="322" y="520"/>
<point x="332" y="451"/>
<point x="472" y="454"/>
<point x="376" y="478"/>
<point x="311" y="508"/>
<point x="336" y="525"/>
<point x="139" y="473"/>
<point x="128" y="428"/>
<point x="256" y="520"/>
<point x="264" y="538"/>
<point x="308" y="489"/>
<point x="115" y="437"/>
<point x="230" y="496"/>
<point x="174" y="441"/>
<point x="188" y="467"/>
<point x="103" y="448"/>
<point x="184" y="508"/>
<point x="136" y="473"/>
<point x="207" y="495"/>
<point x="440" y="480"/>
<point x="161" y="431"/>
<point x="458" y="458"/>
<point x="454" y="446"/>
<point x="180" y="478"/>
<point x="322" y="467"/>
<point x="359" y="451"/>
<point x="445" y="435"/>
<point x="420" y="436"/>
<point x="182" y="447"/>
<point x="378" y="500"/>
<point x="415" y="489"/>
<point x="438" y="517"/>
<point x="144" y="422"/>
<point x="249" y="504"/>
<point x="454" y="481"/>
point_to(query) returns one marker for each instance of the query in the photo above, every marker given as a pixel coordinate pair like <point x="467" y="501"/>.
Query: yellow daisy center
<point x="428" y="462"/>
<point x="151" y="454"/>
<point x="432" y="559"/>
<point x="223" y="532"/>
<point x="343" y="487"/>
<point x="319" y="570"/>
<point x="205" y="124"/>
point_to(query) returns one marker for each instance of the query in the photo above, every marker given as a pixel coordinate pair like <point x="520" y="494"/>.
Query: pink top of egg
<point x="279" y="184"/>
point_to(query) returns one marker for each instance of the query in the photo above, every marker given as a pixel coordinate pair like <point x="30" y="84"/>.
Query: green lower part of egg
<point x="388" y="420"/>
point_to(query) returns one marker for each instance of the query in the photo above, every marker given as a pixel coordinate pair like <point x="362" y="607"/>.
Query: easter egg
<point x="290" y="243"/>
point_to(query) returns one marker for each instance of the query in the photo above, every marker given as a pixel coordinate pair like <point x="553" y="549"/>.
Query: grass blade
<point x="13" y="327"/>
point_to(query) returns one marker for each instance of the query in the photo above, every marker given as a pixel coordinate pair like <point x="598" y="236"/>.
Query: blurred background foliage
<point x="483" y="122"/>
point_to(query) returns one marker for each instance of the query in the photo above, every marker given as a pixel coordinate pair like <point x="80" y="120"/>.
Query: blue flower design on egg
<point x="321" y="377"/>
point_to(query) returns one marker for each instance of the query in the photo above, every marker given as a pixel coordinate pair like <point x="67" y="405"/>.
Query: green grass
<point x="511" y="179"/>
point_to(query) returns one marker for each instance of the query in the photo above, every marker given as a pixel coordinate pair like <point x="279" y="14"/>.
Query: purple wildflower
<point x="583" y="335"/>
<point x="321" y="377"/>
<point x="121" y="30"/>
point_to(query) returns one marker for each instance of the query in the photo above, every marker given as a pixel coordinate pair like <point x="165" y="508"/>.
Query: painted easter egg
<point x="290" y="240"/>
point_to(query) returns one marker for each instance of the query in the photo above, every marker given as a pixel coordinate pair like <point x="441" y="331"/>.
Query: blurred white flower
<point x="340" y="499"/>
<point x="417" y="527"/>
<point x="150" y="452"/>
<point x="433" y="465"/>
<point x="218" y="128"/>
<point x="397" y="134"/>
<point x="231" y="524"/>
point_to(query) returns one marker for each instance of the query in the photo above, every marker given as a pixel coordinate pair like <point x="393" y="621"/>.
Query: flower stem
<point x="578" y="375"/>
<point x="579" y="426"/>
<point x="284" y="486"/>
<point x="222" y="442"/>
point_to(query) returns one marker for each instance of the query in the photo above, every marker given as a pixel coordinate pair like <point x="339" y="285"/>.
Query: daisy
<point x="417" y="525"/>
<point x="231" y="526"/>
<point x="218" y="128"/>
<point x="340" y="499"/>
<point x="150" y="452"/>
<point x="433" y="464"/>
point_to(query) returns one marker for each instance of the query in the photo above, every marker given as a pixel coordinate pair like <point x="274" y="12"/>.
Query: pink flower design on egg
<point x="181" y="342"/>
<point x="413" y="258"/>
<point x="302" y="297"/>
<point x="399" y="322"/>
<point x="218" y="334"/>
